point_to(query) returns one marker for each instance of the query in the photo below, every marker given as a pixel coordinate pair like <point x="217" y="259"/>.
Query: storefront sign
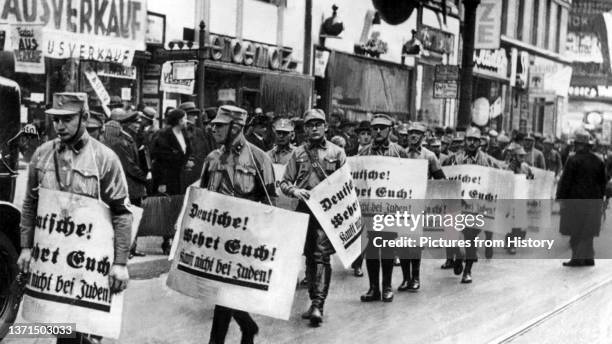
<point x="447" y="72"/>
<point x="436" y="40"/>
<point x="26" y="43"/>
<point x="445" y="89"/>
<point x="150" y="86"/>
<point x="488" y="24"/>
<point x="107" y="31"/>
<point x="227" y="94"/>
<point x="169" y="84"/>
<point x="183" y="71"/>
<point x="116" y="71"/>
<point x="519" y="76"/>
<point x="491" y="62"/>
<point x="229" y="49"/>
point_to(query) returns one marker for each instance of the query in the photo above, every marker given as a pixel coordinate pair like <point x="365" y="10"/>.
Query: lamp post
<point x="201" y="59"/>
<point x="464" y="117"/>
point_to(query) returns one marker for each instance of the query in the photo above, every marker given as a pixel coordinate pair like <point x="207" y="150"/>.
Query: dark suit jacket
<point x="169" y="161"/>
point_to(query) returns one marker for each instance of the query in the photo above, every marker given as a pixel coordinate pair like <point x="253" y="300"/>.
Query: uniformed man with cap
<point x="457" y="143"/>
<point x="552" y="158"/>
<point x="470" y="155"/>
<point x="95" y="125"/>
<point x="76" y="163"/>
<point x="283" y="148"/>
<point x="239" y="169"/>
<point x="534" y="156"/>
<point x="308" y="165"/>
<point x="402" y="135"/>
<point x="517" y="165"/>
<point x="435" y="146"/>
<point x="411" y="266"/>
<point x="382" y="125"/>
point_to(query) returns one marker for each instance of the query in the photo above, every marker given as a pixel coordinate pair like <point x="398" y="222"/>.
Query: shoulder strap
<point x="314" y="161"/>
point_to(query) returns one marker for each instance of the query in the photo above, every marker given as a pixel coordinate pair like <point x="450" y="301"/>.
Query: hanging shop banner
<point x="481" y="189"/>
<point x="334" y="203"/>
<point x="380" y="178"/>
<point x="105" y="31"/>
<point x="170" y="84"/>
<point x="283" y="201"/>
<point x="98" y="87"/>
<point x="72" y="256"/>
<point x="488" y="24"/>
<point x="26" y="44"/>
<point x="238" y="253"/>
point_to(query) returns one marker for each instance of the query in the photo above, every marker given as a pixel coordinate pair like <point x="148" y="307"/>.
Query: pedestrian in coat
<point x="581" y="191"/>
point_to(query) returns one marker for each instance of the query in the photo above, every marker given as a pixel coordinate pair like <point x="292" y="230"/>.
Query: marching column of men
<point x="240" y="169"/>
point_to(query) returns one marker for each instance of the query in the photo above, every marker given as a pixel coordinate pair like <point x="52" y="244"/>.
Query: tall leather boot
<point x="387" y="275"/>
<point x="373" y="293"/>
<point x="415" y="283"/>
<point x="311" y="270"/>
<point x="405" y="264"/>
<point x="322" y="281"/>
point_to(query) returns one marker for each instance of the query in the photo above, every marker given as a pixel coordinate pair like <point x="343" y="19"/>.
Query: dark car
<point x="10" y="295"/>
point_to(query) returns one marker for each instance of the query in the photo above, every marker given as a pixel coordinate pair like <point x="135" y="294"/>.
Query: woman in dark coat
<point x="170" y="154"/>
<point x="581" y="190"/>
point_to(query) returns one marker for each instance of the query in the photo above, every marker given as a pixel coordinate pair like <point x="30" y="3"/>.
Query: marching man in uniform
<point x="78" y="164"/>
<point x="239" y="169"/>
<point x="381" y="127"/>
<point x="310" y="164"/>
<point x="281" y="152"/>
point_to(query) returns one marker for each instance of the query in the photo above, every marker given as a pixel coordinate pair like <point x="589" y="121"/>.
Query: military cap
<point x="582" y="136"/>
<point x="230" y="113"/>
<point x="68" y="103"/>
<point x="416" y="126"/>
<point x="517" y="149"/>
<point x="189" y="107"/>
<point x="314" y="115"/>
<point x="149" y="113"/>
<point x="493" y="133"/>
<point x="283" y="124"/>
<point x="382" y="119"/>
<point x="123" y="116"/>
<point x="363" y="126"/>
<point x="503" y="139"/>
<point x="473" y="132"/>
<point x="538" y="136"/>
<point x="402" y="129"/>
<point x="548" y="139"/>
<point x="435" y="143"/>
<point x="93" y="122"/>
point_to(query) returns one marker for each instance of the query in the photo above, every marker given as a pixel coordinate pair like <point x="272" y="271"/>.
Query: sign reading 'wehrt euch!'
<point x="101" y="30"/>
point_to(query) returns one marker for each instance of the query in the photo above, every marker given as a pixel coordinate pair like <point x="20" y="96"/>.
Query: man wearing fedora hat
<point x="308" y="165"/>
<point x="239" y="169"/>
<point x="198" y="139"/>
<point x="76" y="163"/>
<point x="121" y="138"/>
<point x="581" y="191"/>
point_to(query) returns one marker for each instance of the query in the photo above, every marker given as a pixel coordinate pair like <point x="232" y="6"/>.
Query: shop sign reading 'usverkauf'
<point x="107" y="30"/>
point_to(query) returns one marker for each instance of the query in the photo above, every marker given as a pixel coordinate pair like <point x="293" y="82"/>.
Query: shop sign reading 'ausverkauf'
<point x="101" y="30"/>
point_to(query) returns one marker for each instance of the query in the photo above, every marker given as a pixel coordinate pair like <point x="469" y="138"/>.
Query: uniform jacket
<point x="242" y="171"/>
<point x="79" y="173"/>
<point x="535" y="158"/>
<point x="463" y="158"/>
<point x="281" y="155"/>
